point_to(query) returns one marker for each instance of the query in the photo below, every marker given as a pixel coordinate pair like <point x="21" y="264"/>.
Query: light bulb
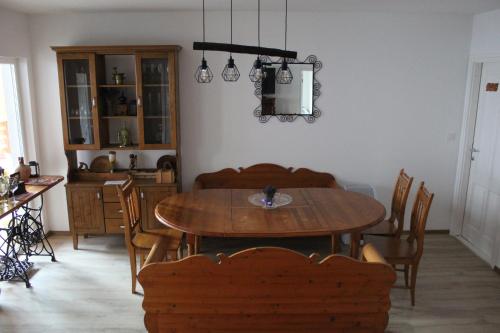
<point x="258" y="73"/>
<point x="204" y="74"/>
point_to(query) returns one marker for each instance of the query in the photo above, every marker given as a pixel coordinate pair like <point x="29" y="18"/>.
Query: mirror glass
<point x="295" y="98"/>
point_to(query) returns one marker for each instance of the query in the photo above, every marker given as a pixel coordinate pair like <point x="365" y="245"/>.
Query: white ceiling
<point x="440" y="6"/>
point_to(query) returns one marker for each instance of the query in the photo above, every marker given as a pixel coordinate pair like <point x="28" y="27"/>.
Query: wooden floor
<point x="89" y="291"/>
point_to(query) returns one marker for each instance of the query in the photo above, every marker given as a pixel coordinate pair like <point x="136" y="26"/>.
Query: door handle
<point x="473" y="150"/>
<point x="98" y="195"/>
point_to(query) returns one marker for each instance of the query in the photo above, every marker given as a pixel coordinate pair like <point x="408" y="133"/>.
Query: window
<point x="11" y="143"/>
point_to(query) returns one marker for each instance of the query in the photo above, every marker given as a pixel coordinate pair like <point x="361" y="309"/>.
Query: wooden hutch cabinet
<point x="117" y="98"/>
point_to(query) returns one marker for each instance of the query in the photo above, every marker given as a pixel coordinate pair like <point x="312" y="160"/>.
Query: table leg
<point x="191" y="244"/>
<point x="355" y="240"/>
<point x="336" y="241"/>
<point x="197" y="244"/>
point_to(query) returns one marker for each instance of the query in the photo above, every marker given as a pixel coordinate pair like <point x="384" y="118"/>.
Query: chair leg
<point x="133" y="268"/>
<point x="190" y="240"/>
<point x="414" y="269"/>
<point x="406" y="275"/>
<point x="197" y="244"/>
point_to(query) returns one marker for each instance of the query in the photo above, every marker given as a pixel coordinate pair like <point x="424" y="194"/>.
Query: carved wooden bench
<point x="260" y="175"/>
<point x="266" y="290"/>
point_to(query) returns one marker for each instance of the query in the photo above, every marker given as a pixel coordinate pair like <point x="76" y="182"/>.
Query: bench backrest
<point x="266" y="290"/>
<point x="260" y="175"/>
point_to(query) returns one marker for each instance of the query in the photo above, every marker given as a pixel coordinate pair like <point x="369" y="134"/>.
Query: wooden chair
<point x="138" y="241"/>
<point x="399" y="198"/>
<point x="257" y="177"/>
<point x="267" y="290"/>
<point x="407" y="252"/>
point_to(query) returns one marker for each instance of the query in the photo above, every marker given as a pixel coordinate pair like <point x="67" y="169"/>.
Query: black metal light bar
<point x="236" y="48"/>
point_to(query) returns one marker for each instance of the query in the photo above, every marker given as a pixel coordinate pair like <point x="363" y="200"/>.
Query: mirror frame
<point x="310" y="118"/>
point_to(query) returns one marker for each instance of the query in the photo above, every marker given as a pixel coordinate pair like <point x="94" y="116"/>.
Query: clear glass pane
<point x="78" y="101"/>
<point x="155" y="101"/>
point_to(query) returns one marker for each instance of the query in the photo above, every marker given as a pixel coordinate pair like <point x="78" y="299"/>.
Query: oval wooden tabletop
<point x="228" y="213"/>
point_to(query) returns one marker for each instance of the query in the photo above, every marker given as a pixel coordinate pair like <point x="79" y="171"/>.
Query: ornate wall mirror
<point x="289" y="101"/>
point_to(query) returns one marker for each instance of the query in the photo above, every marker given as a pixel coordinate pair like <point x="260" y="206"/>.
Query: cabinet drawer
<point x="113" y="210"/>
<point x="114" y="226"/>
<point x="109" y="194"/>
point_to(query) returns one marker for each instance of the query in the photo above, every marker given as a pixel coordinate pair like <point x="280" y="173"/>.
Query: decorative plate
<point x="280" y="199"/>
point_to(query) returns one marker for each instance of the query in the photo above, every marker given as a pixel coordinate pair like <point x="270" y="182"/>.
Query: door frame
<point x="459" y="202"/>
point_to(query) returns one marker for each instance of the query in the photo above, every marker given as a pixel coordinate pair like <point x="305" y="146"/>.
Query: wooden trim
<point x="115" y="49"/>
<point x="178" y="159"/>
<point x="172" y="101"/>
<point x="140" y="107"/>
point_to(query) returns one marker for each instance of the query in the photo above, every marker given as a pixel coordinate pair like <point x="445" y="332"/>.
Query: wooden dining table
<point x="312" y="212"/>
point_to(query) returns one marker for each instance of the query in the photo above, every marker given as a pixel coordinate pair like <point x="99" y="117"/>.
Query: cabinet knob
<point x="120" y="211"/>
<point x="142" y="195"/>
<point x="93" y="102"/>
<point x="139" y="101"/>
<point x="98" y="195"/>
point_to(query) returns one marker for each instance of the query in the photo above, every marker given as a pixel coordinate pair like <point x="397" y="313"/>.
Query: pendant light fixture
<point x="231" y="72"/>
<point x="284" y="74"/>
<point x="257" y="72"/>
<point x="203" y="73"/>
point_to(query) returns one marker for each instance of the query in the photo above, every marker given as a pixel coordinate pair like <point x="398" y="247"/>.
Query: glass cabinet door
<point x="79" y="102"/>
<point x="157" y="117"/>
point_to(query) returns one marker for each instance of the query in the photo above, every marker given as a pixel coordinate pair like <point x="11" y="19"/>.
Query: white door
<point x="482" y="214"/>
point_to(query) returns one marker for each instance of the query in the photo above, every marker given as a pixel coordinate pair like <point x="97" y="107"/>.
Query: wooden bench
<point x="266" y="290"/>
<point x="260" y="175"/>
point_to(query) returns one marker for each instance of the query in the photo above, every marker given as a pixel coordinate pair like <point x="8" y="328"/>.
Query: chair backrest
<point x="399" y="199"/>
<point x="266" y="290"/>
<point x="129" y="201"/>
<point x="260" y="175"/>
<point x="419" y="214"/>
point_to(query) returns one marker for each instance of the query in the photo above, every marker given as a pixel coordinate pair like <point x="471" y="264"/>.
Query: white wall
<point x="15" y="43"/>
<point x="486" y="34"/>
<point x="392" y="95"/>
<point x="14" y="34"/>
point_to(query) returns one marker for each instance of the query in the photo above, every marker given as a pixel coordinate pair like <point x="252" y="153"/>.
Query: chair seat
<point x="146" y="241"/>
<point x="384" y="228"/>
<point x="392" y="249"/>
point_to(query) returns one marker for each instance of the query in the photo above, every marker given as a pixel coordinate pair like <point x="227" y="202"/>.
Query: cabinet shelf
<point x="155" y="85"/>
<point x="156" y="117"/>
<point x="78" y="86"/>
<point x="118" y="117"/>
<point x="117" y="147"/>
<point x="79" y="118"/>
<point x="117" y="85"/>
